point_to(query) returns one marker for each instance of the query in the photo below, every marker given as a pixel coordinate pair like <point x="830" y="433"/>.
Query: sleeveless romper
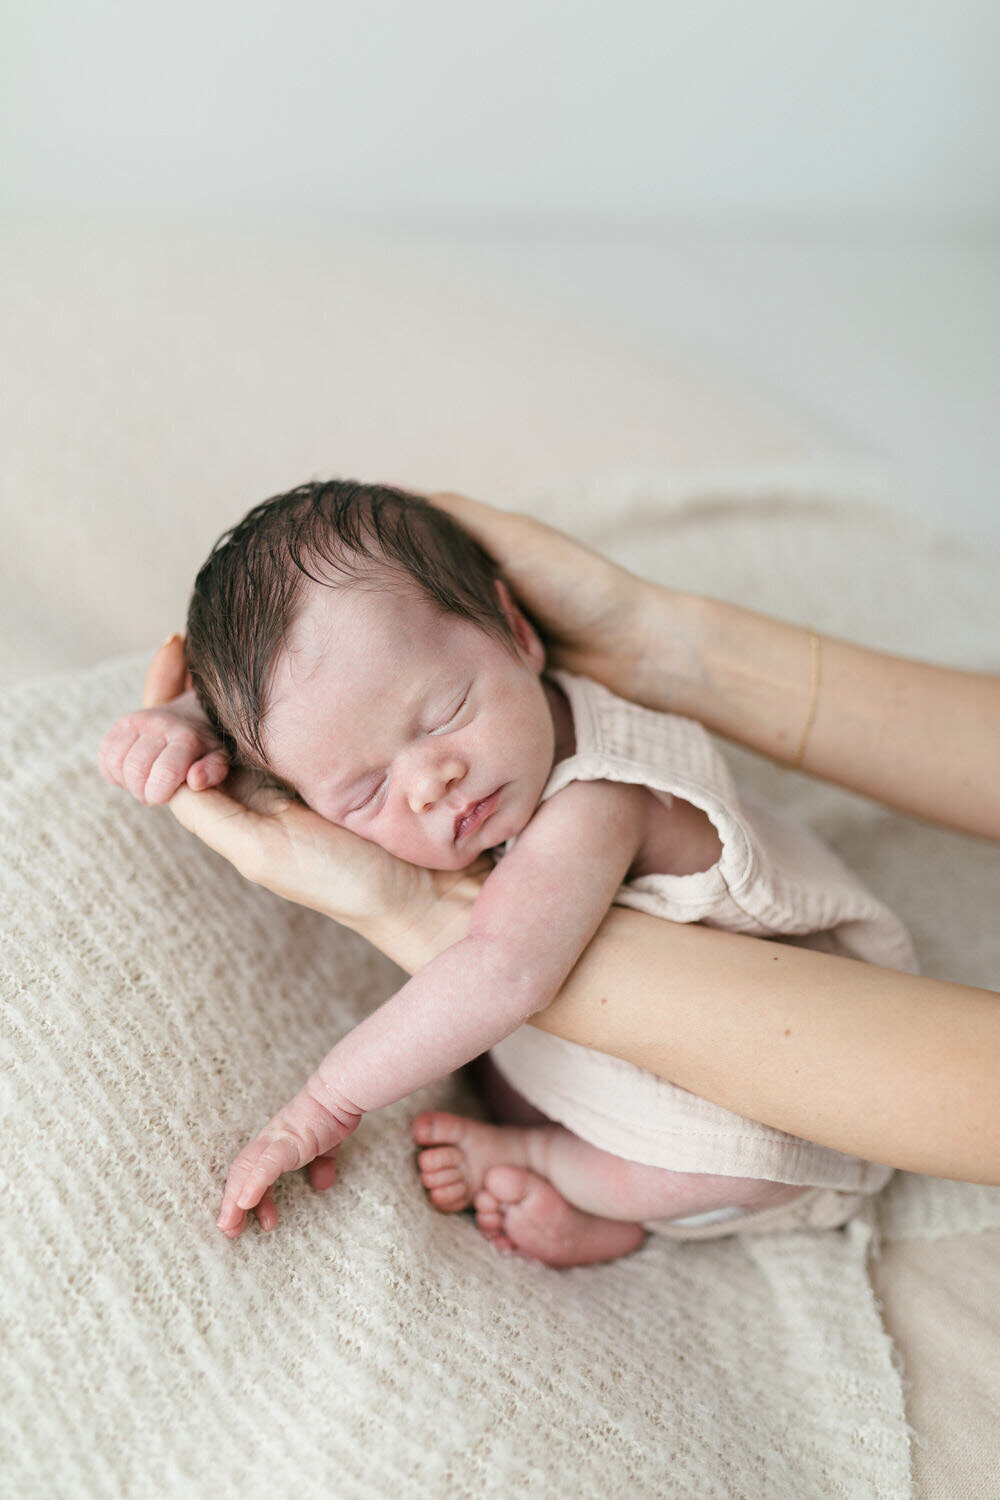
<point x="773" y="879"/>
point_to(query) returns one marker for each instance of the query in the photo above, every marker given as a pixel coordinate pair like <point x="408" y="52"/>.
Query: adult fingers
<point x="501" y="532"/>
<point x="496" y="530"/>
<point x="221" y="822"/>
<point x="167" y="674"/>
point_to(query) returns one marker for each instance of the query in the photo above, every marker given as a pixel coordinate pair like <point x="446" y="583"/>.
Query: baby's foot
<point x="522" y="1212"/>
<point x="461" y="1153"/>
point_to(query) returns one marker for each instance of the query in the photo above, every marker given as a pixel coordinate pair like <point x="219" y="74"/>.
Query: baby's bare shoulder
<point x="673" y="836"/>
<point x="678" y="838"/>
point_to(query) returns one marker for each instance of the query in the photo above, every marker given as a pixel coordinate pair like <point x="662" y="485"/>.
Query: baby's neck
<point x="562" y="720"/>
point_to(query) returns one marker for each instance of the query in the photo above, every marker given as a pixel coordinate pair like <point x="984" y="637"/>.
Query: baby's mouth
<point x="475" y="816"/>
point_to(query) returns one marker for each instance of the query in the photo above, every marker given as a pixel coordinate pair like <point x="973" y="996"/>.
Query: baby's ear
<point x="525" y="634"/>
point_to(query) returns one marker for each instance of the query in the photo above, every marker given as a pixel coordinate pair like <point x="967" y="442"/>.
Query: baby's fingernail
<point x="174" y="637"/>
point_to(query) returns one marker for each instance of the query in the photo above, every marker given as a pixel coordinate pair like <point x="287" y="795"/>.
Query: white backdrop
<point x="806" y="195"/>
<point x="643" y="108"/>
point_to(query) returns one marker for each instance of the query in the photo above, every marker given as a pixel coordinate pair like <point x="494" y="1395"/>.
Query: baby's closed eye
<point x="452" y="712"/>
<point x="367" y="797"/>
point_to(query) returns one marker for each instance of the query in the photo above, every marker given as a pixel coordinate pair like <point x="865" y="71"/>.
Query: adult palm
<point x="281" y="844"/>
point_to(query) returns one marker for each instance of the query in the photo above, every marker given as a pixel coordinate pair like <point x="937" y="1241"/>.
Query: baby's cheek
<point x="406" y="844"/>
<point x="428" y="855"/>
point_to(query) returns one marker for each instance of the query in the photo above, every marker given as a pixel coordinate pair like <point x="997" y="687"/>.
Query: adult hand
<point x="599" y="620"/>
<point x="284" y="846"/>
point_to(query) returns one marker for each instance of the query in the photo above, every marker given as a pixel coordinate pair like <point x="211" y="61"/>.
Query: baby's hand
<point x="306" y="1131"/>
<point x="154" y="751"/>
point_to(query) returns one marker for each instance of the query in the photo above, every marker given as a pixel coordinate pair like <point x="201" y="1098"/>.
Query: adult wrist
<point x="413" y="934"/>
<point x="673" y="630"/>
<point x="743" y="675"/>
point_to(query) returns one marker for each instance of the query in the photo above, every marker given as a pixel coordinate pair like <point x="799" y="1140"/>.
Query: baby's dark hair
<point x="339" y="534"/>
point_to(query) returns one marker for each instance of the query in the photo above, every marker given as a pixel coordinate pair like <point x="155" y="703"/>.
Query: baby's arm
<point x="155" y="750"/>
<point x="535" y="915"/>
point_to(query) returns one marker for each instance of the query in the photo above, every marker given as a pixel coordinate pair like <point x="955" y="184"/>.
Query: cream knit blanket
<point x="155" y="1009"/>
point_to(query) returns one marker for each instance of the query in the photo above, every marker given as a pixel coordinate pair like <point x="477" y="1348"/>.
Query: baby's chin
<point x="457" y="861"/>
<point x="506" y="825"/>
<point x="453" y="859"/>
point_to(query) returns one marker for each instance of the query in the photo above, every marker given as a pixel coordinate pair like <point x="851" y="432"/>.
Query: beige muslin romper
<point x="773" y="878"/>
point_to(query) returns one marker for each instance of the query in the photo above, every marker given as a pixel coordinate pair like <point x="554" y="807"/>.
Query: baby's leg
<point x="599" y="1200"/>
<point x="585" y="1176"/>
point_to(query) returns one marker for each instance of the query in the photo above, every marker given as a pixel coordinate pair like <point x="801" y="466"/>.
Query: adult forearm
<point x="886" y="1066"/>
<point x="883" y="1065"/>
<point x="921" y="738"/>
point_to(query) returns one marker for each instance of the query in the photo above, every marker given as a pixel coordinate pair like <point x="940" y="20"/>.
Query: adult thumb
<point x="167" y="677"/>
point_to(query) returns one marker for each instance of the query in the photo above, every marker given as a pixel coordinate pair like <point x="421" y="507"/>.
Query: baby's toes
<point x="442" y="1174"/>
<point x="422" y="1129"/>
<point x="449" y="1197"/>
<point x="437" y="1127"/>
<point x="440" y="1167"/>
<point x="489" y="1217"/>
<point x="440" y="1158"/>
<point x="438" y="1177"/>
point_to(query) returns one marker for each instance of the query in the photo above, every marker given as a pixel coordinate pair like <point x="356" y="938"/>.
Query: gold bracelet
<point x="813" y="699"/>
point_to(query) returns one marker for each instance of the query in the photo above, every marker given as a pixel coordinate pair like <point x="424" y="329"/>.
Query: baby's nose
<point x="431" y="783"/>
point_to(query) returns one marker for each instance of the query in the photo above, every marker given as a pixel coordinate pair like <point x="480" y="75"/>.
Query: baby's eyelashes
<point x="367" y="799"/>
<point x="453" y="713"/>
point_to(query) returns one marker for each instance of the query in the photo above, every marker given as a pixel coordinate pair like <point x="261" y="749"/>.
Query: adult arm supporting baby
<point x="533" y="917"/>
<point x="919" y="737"/>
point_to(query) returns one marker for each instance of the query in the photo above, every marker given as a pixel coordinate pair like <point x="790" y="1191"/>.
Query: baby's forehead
<point x="359" y="667"/>
<point x="373" y="609"/>
<point x="385" y="611"/>
<point x="381" y="645"/>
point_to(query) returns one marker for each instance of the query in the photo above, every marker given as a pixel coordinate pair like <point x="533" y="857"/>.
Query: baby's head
<point x="361" y="648"/>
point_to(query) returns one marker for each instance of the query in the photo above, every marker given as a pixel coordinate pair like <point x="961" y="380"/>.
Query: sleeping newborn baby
<point x="353" y="643"/>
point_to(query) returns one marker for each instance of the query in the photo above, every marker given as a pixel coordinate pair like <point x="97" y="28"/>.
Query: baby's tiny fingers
<point x="267" y="1212"/>
<point x="323" y="1171"/>
<point x="231" y="1220"/>
<point x="257" y="1167"/>
<point x="138" y="762"/>
<point x="211" y="770"/>
<point x="276" y="1158"/>
<point x="167" y="772"/>
<point x="112" y="751"/>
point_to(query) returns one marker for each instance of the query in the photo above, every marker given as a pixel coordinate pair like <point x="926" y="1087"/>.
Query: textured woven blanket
<point x="155" y="1010"/>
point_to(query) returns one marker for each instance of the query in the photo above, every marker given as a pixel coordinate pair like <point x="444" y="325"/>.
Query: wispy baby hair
<point x="338" y="534"/>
